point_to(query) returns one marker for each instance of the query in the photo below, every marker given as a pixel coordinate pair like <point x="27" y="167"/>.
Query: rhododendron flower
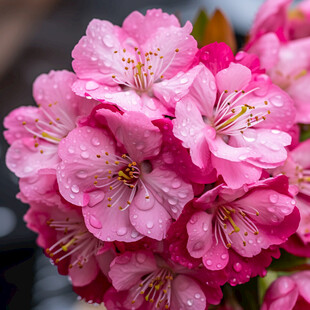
<point x="133" y="65"/>
<point x="66" y="240"/>
<point x="234" y="122"/>
<point x="229" y="226"/>
<point x="289" y="292"/>
<point x="118" y="177"/>
<point x="286" y="60"/>
<point x="152" y="282"/>
<point x="34" y="133"/>
<point x="297" y="169"/>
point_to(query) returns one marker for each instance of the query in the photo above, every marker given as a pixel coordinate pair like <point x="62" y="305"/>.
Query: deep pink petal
<point x="302" y="280"/>
<point x="185" y="292"/>
<point x="217" y="256"/>
<point x="199" y="229"/>
<point x="135" y="131"/>
<point x="128" y="269"/>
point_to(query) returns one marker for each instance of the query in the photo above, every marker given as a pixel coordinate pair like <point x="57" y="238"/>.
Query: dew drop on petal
<point x="108" y="41"/>
<point x="140" y="257"/>
<point x="209" y="262"/>
<point x="91" y="85"/>
<point x="134" y="234"/>
<point x="85" y="155"/>
<point x="75" y="189"/>
<point x="197" y="295"/>
<point x="95" y="141"/>
<point x="94" y="222"/>
<point x="71" y="149"/>
<point x="176" y="183"/>
<point x="274" y="198"/>
<point x="122" y="231"/>
<point x="184" y="80"/>
<point x="277" y="101"/>
<point x="149" y="224"/>
<point x="190" y="302"/>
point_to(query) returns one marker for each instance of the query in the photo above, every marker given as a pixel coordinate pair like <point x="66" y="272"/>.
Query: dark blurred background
<point x="37" y="36"/>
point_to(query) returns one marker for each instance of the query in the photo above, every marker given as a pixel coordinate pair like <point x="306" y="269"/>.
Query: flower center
<point x="230" y="220"/>
<point x="75" y="240"/>
<point x="121" y="179"/>
<point x="232" y="118"/>
<point x="301" y="178"/>
<point x="156" y="288"/>
<point x="54" y="127"/>
<point x="143" y="70"/>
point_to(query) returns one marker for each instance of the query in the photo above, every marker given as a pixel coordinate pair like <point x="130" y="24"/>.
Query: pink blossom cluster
<point x="157" y="172"/>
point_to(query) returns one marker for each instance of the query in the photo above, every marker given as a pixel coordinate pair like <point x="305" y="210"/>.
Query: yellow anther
<point x="229" y="121"/>
<point x="98" y="155"/>
<point x="46" y="135"/>
<point x="123" y="175"/>
<point x="66" y="246"/>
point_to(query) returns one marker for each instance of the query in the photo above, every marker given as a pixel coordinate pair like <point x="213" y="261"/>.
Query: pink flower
<point x="284" y="57"/>
<point x="289" y="292"/>
<point x="120" y="179"/>
<point x="34" y="133"/>
<point x="66" y="240"/>
<point x="139" y="66"/>
<point x="297" y="169"/>
<point x="230" y="229"/>
<point x="145" y="280"/>
<point x="234" y="122"/>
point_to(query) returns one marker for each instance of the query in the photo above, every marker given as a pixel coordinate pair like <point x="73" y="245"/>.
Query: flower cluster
<point x="158" y="172"/>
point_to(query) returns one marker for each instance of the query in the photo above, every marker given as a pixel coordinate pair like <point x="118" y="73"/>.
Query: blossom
<point x="66" y="240"/>
<point x="117" y="176"/>
<point x="133" y="65"/>
<point x="235" y="122"/>
<point x="297" y="169"/>
<point x="146" y="280"/>
<point x="35" y="132"/>
<point x="289" y="292"/>
<point x="236" y="229"/>
<point x="285" y="57"/>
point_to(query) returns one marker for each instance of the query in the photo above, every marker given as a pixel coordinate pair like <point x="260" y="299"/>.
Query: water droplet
<point x="140" y="257"/>
<point x="165" y="189"/>
<point x="197" y="295"/>
<point x="149" y="224"/>
<point x="93" y="221"/>
<point x="173" y="201"/>
<point x="209" y="262"/>
<point x="134" y="234"/>
<point x="176" y="183"/>
<point x="243" y="157"/>
<point x="91" y="85"/>
<point x="274" y="198"/>
<point x="135" y="216"/>
<point x="182" y="195"/>
<point x="71" y="149"/>
<point x="277" y="101"/>
<point x="223" y="256"/>
<point x="205" y="227"/>
<point x="184" y="80"/>
<point x="108" y="41"/>
<point x="219" y="266"/>
<point x="83" y="147"/>
<point x="95" y="141"/>
<point x="72" y="196"/>
<point x="122" y="231"/>
<point x="85" y="155"/>
<point x="75" y="189"/>
<point x="275" y="131"/>
<point x="212" y="85"/>
<point x="190" y="302"/>
<point x="174" y="210"/>
<point x="193" y="219"/>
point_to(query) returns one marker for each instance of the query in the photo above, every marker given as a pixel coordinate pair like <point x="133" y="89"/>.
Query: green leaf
<point x="304" y="132"/>
<point x="264" y="283"/>
<point x="200" y="25"/>
<point x="288" y="263"/>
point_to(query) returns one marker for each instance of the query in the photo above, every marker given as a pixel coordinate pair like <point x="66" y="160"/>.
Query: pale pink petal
<point x="14" y="123"/>
<point x="298" y="154"/>
<point x="94" y="56"/>
<point x="109" y="224"/>
<point x="25" y="159"/>
<point x="303" y="205"/>
<point x="172" y="90"/>
<point x="189" y="127"/>
<point x="128" y="269"/>
<point x="104" y="261"/>
<point x="271" y="16"/>
<point x="267" y="48"/>
<point x="302" y="280"/>
<point x="199" y="229"/>
<point x="282" y="294"/>
<point x="235" y="77"/>
<point x="300" y="93"/>
<point x="184" y="294"/>
<point x="83" y="276"/>
<point x="142" y="28"/>
<point x="236" y="174"/>
<point x="80" y="163"/>
<point x="136" y="132"/>
<point x="177" y="47"/>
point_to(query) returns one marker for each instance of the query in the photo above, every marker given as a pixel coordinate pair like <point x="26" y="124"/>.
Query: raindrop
<point x="184" y="80"/>
<point x="75" y="189"/>
<point x="140" y="257"/>
<point x="176" y="183"/>
<point x="190" y="302"/>
<point x="91" y="85"/>
<point x="95" y="141"/>
<point x="274" y="198"/>
<point x="94" y="222"/>
<point x="85" y="155"/>
<point x="197" y="295"/>
<point x="108" y="41"/>
<point x="149" y="224"/>
<point x="209" y="262"/>
<point x="277" y="101"/>
<point x="122" y="231"/>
